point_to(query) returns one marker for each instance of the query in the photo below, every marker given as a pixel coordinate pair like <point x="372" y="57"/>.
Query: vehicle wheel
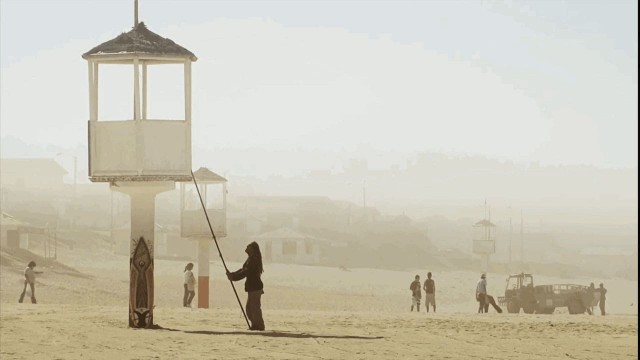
<point x="529" y="308"/>
<point x="545" y="310"/>
<point x="576" y="307"/>
<point x="513" y="307"/>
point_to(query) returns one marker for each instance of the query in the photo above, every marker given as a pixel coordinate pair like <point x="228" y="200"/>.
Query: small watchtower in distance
<point x="484" y="241"/>
<point x="194" y="225"/>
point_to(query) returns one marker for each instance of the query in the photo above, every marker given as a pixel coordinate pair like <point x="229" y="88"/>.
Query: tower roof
<point x="140" y="41"/>
<point x="485" y="222"/>
<point x="204" y="174"/>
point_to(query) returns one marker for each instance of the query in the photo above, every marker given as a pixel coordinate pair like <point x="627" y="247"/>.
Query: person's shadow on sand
<point x="283" y="334"/>
<point x="272" y="333"/>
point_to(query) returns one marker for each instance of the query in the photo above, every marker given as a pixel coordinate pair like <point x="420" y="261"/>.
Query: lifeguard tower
<point x="194" y="226"/>
<point x="484" y="241"/>
<point x="139" y="156"/>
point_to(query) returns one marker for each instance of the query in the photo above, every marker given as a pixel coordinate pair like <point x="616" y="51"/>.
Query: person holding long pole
<point x="251" y="270"/>
<point x="213" y="234"/>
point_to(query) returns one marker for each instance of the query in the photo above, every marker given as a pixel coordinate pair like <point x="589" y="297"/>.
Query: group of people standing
<point x="251" y="270"/>
<point x="429" y="288"/>
<point x="482" y="297"/>
<point x="602" y="298"/>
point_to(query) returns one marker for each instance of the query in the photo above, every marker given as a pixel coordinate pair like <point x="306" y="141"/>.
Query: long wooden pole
<point x="204" y="208"/>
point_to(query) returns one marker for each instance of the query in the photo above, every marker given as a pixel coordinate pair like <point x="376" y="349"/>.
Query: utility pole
<point x="521" y="238"/>
<point x="113" y="248"/>
<point x="75" y="177"/>
<point x="510" y="239"/>
<point x="364" y="195"/>
<point x="489" y="234"/>
<point x="485" y="208"/>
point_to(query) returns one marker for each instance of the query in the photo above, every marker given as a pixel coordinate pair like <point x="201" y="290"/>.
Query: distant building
<point x="14" y="233"/>
<point x="540" y="247"/>
<point x="288" y="246"/>
<point x="295" y="212"/>
<point x="31" y="173"/>
<point x="167" y="242"/>
<point x="278" y="204"/>
<point x="604" y="251"/>
<point x="242" y="224"/>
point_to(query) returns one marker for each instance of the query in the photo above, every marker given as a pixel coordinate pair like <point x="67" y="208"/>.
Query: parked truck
<point x="520" y="293"/>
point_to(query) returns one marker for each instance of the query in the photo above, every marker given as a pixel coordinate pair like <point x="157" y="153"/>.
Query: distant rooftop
<point x="485" y="222"/>
<point x="288" y="234"/>
<point x="31" y="166"/>
<point x="205" y="174"/>
<point x="8" y="220"/>
<point x="140" y="41"/>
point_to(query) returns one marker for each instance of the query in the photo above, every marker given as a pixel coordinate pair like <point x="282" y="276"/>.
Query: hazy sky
<point x="545" y="81"/>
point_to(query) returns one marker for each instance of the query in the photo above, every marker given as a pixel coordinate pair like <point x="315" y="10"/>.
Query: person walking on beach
<point x="416" y="294"/>
<point x="481" y="292"/>
<point x="429" y="293"/>
<point x="30" y="279"/>
<point x="603" y="292"/>
<point x="189" y="285"/>
<point x="252" y="270"/>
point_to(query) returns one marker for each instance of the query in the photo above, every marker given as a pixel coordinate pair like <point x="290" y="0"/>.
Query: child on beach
<point x="429" y="292"/>
<point x="30" y="279"/>
<point x="189" y="285"/>
<point x="416" y="294"/>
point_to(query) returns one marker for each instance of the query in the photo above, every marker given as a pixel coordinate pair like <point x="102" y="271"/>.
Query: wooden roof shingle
<point x="140" y="41"/>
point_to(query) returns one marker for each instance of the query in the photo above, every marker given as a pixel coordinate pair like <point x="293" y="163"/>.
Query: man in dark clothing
<point x="251" y="270"/>
<point x="430" y="292"/>
<point x="416" y="294"/>
<point x="603" y="291"/>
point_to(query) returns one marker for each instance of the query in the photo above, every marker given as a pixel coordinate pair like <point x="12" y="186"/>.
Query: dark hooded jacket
<point x="251" y="271"/>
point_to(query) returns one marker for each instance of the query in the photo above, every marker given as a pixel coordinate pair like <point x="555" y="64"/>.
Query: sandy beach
<point x="310" y="312"/>
<point x="100" y="332"/>
<point x="346" y="148"/>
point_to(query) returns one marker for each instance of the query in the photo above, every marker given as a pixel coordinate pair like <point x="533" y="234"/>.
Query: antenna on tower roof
<point x="135" y="14"/>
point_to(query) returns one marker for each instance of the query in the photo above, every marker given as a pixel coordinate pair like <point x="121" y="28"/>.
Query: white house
<point x="14" y="233"/>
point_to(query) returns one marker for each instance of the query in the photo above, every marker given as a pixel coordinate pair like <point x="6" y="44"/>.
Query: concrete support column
<point x="141" y="250"/>
<point x="141" y="259"/>
<point x="203" y="273"/>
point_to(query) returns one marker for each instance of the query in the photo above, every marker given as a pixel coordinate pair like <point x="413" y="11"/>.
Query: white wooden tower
<point x="139" y="156"/>
<point x="193" y="224"/>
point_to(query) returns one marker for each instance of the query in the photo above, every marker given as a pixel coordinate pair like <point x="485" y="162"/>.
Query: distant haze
<point x="525" y="82"/>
